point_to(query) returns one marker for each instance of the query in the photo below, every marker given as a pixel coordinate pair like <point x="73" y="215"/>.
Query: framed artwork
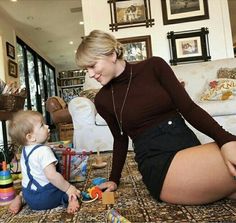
<point x="130" y="13"/>
<point x="136" y="48"/>
<point x="12" y="68"/>
<point x="189" y="46"/>
<point x="10" y="50"/>
<point x="177" y="11"/>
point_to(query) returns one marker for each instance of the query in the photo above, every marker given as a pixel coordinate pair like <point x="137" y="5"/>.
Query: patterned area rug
<point x="132" y="201"/>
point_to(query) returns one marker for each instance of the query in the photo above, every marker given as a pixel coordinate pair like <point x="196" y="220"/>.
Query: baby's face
<point x="41" y="132"/>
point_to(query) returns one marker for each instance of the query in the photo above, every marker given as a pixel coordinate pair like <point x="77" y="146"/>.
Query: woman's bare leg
<point x="198" y="175"/>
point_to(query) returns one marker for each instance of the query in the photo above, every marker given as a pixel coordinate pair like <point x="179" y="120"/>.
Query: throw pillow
<point x="219" y="89"/>
<point x="90" y="94"/>
<point x="227" y="73"/>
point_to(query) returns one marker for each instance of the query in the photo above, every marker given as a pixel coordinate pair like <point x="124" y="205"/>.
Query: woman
<point x="146" y="102"/>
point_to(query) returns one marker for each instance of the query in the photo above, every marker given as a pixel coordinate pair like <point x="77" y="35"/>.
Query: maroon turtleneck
<point x="155" y="95"/>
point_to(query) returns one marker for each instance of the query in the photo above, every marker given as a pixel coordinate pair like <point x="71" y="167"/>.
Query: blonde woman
<point x="146" y="102"/>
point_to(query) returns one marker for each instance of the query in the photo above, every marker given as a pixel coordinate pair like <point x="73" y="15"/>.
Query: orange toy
<point x="94" y="192"/>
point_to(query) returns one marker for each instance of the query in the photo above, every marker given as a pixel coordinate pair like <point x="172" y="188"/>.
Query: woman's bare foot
<point x="73" y="205"/>
<point x="16" y="205"/>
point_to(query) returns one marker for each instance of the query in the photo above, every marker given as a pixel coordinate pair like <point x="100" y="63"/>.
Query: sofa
<point x="212" y="85"/>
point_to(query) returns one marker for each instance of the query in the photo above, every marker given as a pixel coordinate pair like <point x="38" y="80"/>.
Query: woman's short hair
<point x="97" y="45"/>
<point x="21" y="124"/>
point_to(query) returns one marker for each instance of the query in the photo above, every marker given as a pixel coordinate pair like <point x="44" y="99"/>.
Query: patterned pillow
<point x="219" y="89"/>
<point x="90" y="94"/>
<point x="226" y="73"/>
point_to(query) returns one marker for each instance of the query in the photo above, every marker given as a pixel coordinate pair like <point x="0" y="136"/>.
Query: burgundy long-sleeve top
<point x="155" y="95"/>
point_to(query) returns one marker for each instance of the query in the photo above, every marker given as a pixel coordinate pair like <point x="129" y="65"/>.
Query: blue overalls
<point x="45" y="197"/>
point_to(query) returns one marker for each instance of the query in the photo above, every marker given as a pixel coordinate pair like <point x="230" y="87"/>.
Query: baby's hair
<point x="97" y="45"/>
<point x="21" y="124"/>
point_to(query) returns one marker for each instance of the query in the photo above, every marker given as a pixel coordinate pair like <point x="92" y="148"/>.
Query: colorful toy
<point x="93" y="193"/>
<point x="7" y="192"/>
<point x="98" y="180"/>
<point x="114" y="217"/>
<point x="73" y="164"/>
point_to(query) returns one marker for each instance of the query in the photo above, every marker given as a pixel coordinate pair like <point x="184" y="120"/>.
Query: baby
<point x="42" y="186"/>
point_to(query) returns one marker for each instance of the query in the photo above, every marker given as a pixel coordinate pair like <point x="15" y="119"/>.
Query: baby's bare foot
<point x="73" y="206"/>
<point x="16" y="205"/>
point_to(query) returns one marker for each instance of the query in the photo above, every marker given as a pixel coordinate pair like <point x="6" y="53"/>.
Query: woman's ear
<point x="114" y="57"/>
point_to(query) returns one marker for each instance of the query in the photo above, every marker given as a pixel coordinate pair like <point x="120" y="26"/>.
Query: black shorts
<point x="156" y="147"/>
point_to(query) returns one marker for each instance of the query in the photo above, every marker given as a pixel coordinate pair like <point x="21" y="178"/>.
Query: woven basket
<point x="65" y="131"/>
<point x="11" y="102"/>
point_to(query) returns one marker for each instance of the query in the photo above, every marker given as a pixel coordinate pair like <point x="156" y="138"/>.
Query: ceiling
<point x="50" y="25"/>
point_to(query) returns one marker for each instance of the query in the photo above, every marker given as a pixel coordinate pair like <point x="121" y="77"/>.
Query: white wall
<point x="220" y="37"/>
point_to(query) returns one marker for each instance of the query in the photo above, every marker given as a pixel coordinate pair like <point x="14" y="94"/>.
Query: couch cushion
<point x="89" y="93"/>
<point x="217" y="108"/>
<point x="227" y="73"/>
<point x="219" y="89"/>
<point x="195" y="74"/>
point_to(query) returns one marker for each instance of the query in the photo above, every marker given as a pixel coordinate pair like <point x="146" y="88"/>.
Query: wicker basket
<point x="11" y="102"/>
<point x="65" y="131"/>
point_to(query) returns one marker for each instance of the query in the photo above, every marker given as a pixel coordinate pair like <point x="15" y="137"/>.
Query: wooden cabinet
<point x="70" y="83"/>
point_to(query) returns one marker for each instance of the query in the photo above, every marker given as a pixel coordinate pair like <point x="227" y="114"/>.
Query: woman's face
<point x="103" y="70"/>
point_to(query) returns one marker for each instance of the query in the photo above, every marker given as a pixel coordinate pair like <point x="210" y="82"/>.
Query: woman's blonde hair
<point x="97" y="45"/>
<point x="21" y="124"/>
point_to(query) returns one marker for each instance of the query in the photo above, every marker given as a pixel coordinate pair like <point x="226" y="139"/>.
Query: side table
<point x="4" y="116"/>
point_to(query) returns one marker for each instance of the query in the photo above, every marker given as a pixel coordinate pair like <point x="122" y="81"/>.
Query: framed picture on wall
<point x="12" y="68"/>
<point x="177" y="11"/>
<point x="10" y="50"/>
<point x="130" y="13"/>
<point x="136" y="48"/>
<point x="189" y="46"/>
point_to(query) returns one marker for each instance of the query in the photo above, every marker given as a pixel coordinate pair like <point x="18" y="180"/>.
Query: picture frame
<point x="189" y="46"/>
<point x="12" y="68"/>
<point x="178" y="11"/>
<point x="136" y="48"/>
<point x="10" y="50"/>
<point x="130" y="13"/>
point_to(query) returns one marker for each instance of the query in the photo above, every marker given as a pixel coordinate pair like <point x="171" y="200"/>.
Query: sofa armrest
<point x="83" y="112"/>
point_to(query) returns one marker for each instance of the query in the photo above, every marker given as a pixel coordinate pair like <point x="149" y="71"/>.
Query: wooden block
<point x="108" y="198"/>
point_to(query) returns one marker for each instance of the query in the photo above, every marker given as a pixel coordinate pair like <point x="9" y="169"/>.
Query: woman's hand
<point x="228" y="152"/>
<point x="108" y="186"/>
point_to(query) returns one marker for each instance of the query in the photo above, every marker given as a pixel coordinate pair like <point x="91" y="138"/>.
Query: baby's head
<point x="22" y="124"/>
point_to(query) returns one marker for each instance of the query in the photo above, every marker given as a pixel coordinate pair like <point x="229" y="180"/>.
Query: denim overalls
<point x="45" y="197"/>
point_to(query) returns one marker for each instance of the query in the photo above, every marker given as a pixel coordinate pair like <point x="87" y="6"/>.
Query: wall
<point x="7" y="34"/>
<point x="220" y="38"/>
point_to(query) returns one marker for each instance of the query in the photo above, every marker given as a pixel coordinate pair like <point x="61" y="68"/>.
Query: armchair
<point x="60" y="116"/>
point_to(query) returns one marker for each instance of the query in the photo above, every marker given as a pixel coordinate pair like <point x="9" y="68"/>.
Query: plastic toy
<point x="93" y="193"/>
<point x="98" y="180"/>
<point x="7" y="192"/>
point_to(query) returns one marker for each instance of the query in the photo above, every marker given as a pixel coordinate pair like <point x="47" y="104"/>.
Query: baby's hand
<point x="73" y="192"/>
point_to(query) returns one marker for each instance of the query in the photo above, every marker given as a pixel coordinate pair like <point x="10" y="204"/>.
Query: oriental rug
<point x="132" y="201"/>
